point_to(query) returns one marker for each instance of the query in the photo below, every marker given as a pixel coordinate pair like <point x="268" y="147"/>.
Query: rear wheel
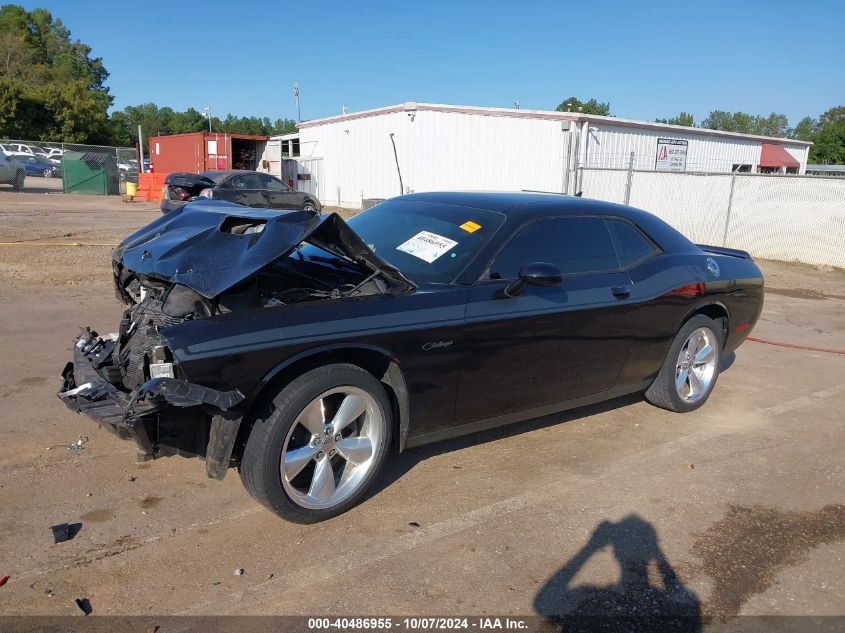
<point x="47" y="173"/>
<point x="691" y="368"/>
<point x="317" y="446"/>
<point x="17" y="184"/>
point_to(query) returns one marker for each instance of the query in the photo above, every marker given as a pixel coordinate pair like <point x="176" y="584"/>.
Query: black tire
<point x="309" y="207"/>
<point x="47" y="173"/>
<point x="260" y="464"/>
<point x="662" y="392"/>
<point x="17" y="184"/>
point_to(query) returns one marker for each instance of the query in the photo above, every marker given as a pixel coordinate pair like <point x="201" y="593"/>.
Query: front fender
<point x="383" y="364"/>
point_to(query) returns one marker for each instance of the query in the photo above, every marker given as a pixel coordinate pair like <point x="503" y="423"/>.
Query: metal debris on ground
<point x="240" y="571"/>
<point x="74" y="447"/>
<point x="65" y="531"/>
<point x="84" y="605"/>
<point x="3" y="580"/>
<point x="78" y="446"/>
<point x="61" y="532"/>
<point x="414" y="524"/>
<point x="132" y="478"/>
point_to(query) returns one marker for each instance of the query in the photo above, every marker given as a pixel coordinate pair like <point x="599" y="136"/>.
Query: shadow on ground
<point x="398" y="465"/>
<point x="648" y="596"/>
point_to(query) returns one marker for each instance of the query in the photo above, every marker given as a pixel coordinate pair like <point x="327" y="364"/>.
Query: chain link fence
<point x="783" y="217"/>
<point x="125" y="158"/>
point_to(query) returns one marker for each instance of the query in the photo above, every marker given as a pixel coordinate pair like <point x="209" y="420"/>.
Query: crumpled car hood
<point x="192" y="245"/>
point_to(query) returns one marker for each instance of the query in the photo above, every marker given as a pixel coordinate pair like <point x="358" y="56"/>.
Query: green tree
<point x="154" y="121"/>
<point x="776" y="125"/>
<point x="573" y="104"/>
<point x="283" y="126"/>
<point x="829" y="144"/>
<point x="805" y="129"/>
<point x="684" y="118"/>
<point x="833" y="115"/>
<point x="51" y="87"/>
<point x="827" y="135"/>
<point x="190" y="120"/>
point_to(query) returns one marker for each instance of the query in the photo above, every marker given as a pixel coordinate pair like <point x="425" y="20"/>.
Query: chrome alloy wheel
<point x="696" y="365"/>
<point x="331" y="446"/>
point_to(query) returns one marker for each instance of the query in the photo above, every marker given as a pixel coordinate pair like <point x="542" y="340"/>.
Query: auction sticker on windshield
<point x="427" y="246"/>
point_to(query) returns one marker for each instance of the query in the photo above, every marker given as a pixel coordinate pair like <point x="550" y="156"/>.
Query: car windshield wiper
<point x="337" y="261"/>
<point x="347" y="264"/>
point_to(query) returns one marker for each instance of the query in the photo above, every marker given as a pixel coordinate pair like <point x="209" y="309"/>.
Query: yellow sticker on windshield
<point x="470" y="227"/>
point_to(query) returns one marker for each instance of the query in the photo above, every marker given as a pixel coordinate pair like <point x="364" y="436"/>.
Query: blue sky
<point x="647" y="59"/>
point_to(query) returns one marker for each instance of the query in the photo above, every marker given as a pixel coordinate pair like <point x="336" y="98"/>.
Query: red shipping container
<point x="205" y="151"/>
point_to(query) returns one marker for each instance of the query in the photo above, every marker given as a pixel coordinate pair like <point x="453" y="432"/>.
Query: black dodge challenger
<point x="301" y="349"/>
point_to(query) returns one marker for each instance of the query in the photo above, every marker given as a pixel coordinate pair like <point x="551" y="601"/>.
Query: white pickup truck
<point x="12" y="172"/>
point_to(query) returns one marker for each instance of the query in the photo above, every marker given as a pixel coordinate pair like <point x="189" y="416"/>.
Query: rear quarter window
<point x="631" y="245"/>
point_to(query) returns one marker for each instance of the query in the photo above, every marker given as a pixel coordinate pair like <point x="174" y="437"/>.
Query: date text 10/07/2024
<point x="419" y="623"/>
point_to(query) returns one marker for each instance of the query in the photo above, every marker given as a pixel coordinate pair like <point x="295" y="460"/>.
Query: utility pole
<point x="296" y="96"/>
<point x="207" y="111"/>
<point x="141" y="150"/>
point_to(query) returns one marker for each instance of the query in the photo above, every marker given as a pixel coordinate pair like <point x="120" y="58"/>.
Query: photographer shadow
<point x="648" y="596"/>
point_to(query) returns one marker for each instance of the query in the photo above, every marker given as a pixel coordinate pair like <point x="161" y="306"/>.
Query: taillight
<point x="207" y="193"/>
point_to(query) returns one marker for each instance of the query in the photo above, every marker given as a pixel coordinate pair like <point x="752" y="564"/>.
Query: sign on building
<point x="671" y="155"/>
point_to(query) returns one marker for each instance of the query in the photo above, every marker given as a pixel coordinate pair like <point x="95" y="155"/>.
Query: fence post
<point x="630" y="179"/>
<point x="730" y="204"/>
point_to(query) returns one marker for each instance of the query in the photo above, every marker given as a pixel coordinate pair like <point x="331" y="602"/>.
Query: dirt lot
<point x="734" y="509"/>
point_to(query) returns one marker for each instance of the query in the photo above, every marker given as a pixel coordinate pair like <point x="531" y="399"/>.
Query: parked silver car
<point x="12" y="172"/>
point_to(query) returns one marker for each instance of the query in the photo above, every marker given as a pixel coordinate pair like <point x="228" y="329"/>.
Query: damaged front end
<point x="161" y="413"/>
<point x="205" y="261"/>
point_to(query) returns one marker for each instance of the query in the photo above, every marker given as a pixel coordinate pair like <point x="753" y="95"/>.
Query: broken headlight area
<point x="162" y="414"/>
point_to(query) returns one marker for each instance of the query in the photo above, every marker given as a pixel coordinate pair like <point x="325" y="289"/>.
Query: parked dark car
<point x="39" y="166"/>
<point x="249" y="188"/>
<point x="300" y="348"/>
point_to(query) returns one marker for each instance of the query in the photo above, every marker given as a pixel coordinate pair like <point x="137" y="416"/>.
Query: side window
<point x="575" y="245"/>
<point x="631" y="245"/>
<point x="273" y="184"/>
<point x="247" y="181"/>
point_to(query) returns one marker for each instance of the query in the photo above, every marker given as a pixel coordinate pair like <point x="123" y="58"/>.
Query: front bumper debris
<point x="85" y="390"/>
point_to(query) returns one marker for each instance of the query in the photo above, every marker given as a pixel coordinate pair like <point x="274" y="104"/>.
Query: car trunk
<point x="184" y="187"/>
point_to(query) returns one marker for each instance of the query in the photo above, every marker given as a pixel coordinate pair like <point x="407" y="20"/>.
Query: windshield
<point x="427" y="241"/>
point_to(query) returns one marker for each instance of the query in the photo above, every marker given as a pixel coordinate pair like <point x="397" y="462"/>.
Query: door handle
<point x="621" y="291"/>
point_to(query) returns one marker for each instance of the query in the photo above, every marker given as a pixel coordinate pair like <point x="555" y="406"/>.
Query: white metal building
<point x="345" y="159"/>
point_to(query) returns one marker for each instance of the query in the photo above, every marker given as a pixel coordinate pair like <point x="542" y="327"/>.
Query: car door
<point x="30" y="165"/>
<point x="548" y="345"/>
<point x="6" y="171"/>
<point x="246" y="189"/>
<point x="279" y="195"/>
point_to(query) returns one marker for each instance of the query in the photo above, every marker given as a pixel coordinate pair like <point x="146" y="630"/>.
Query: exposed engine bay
<point x="156" y="304"/>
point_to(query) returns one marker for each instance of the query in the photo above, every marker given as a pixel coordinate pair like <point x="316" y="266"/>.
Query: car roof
<point x="524" y="206"/>
<point x="220" y="175"/>
<point x="517" y="204"/>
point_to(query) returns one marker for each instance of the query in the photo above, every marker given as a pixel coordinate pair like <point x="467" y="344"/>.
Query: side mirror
<point x="535" y="274"/>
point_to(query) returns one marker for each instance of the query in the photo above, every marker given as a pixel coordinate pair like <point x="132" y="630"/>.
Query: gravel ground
<point x="735" y="509"/>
